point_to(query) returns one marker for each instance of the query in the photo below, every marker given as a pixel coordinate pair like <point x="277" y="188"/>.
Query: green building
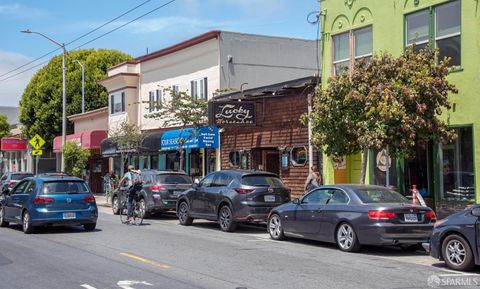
<point x="447" y="175"/>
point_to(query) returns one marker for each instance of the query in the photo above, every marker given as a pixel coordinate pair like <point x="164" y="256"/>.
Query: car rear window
<point x="18" y="177"/>
<point x="262" y="180"/>
<point x="64" y="187"/>
<point x="372" y="196"/>
<point x="173" y="179"/>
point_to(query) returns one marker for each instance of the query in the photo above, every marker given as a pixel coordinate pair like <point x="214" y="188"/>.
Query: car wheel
<point x="26" y="223"/>
<point x="183" y="217"/>
<point x="225" y="219"/>
<point x="89" y="227"/>
<point x="346" y="238"/>
<point x="457" y="253"/>
<point x="275" y="227"/>
<point x="143" y="208"/>
<point x="115" y="205"/>
<point x="3" y="223"/>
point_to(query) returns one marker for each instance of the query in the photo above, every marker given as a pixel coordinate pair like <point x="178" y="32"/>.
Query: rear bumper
<point x="42" y="218"/>
<point x="253" y="214"/>
<point x="160" y="205"/>
<point x="395" y="234"/>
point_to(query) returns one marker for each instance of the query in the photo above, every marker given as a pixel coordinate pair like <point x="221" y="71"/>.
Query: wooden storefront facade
<point x="261" y="130"/>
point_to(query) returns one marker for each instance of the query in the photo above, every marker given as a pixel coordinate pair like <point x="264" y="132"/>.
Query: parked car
<point x="351" y="216"/>
<point x="455" y="240"/>
<point x="231" y="197"/>
<point x="49" y="201"/>
<point x="159" y="193"/>
<point x="10" y="179"/>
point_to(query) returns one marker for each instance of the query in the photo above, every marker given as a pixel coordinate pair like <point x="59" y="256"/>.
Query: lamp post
<point x="64" y="90"/>
<point x="83" y="84"/>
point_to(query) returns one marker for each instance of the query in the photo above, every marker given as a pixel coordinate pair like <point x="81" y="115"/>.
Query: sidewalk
<point x="101" y="200"/>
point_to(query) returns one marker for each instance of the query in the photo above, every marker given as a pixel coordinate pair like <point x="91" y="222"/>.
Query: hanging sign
<point x="234" y="113"/>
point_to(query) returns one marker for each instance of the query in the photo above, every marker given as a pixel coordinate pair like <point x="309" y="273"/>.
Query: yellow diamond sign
<point x="37" y="152"/>
<point x="37" y="142"/>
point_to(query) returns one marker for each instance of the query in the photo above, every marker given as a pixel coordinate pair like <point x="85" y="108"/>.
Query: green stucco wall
<point x="387" y="20"/>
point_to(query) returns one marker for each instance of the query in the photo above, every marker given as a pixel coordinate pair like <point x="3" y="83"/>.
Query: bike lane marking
<point x="147" y="261"/>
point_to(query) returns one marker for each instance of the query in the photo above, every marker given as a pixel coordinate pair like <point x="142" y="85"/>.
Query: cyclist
<point x="134" y="184"/>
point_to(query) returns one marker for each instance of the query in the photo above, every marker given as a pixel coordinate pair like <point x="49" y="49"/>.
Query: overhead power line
<point x="74" y="40"/>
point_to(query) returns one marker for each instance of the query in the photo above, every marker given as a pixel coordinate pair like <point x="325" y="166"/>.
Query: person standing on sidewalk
<point x="313" y="181"/>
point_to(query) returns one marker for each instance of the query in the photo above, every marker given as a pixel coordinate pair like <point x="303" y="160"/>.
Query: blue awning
<point x="204" y="137"/>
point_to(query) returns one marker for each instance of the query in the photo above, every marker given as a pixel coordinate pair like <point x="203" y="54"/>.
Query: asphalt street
<point x="163" y="254"/>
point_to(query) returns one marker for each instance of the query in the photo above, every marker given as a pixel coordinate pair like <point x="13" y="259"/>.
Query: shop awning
<point x="204" y="137"/>
<point x="87" y="139"/>
<point x="150" y="144"/>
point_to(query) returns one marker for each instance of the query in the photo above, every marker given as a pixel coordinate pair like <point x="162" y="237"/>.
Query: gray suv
<point x="159" y="192"/>
<point x="231" y="197"/>
<point x="10" y="179"/>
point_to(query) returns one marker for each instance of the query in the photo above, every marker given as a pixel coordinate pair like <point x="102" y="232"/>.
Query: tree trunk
<point x="363" y="171"/>
<point x="181" y="150"/>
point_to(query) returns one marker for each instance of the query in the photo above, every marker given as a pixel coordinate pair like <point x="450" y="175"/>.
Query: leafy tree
<point x="41" y="103"/>
<point x="183" y="111"/>
<point x="389" y="102"/>
<point x="76" y="158"/>
<point x="128" y="139"/>
<point x="4" y="126"/>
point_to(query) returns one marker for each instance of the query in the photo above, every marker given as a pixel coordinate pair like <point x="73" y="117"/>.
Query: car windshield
<point x="173" y="179"/>
<point x="18" y="177"/>
<point x="371" y="196"/>
<point x="262" y="180"/>
<point x="65" y="187"/>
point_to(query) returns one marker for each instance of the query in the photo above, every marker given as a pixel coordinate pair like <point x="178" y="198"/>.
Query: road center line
<point x="147" y="261"/>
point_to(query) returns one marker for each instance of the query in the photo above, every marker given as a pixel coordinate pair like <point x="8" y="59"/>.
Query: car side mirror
<point x="476" y="212"/>
<point x="296" y="201"/>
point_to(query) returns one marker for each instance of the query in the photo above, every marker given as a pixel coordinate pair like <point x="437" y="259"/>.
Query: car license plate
<point x="410" y="218"/>
<point x="67" y="216"/>
<point x="269" y="198"/>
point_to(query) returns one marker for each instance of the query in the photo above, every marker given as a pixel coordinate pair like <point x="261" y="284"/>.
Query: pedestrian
<point x="313" y="181"/>
<point x="113" y="180"/>
<point x="134" y="184"/>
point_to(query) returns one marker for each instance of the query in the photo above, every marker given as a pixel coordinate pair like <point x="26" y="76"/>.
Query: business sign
<point x="234" y="113"/>
<point x="13" y="144"/>
<point x="204" y="137"/>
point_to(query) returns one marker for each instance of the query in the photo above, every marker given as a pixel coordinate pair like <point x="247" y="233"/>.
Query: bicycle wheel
<point x="122" y="210"/>
<point x="138" y="213"/>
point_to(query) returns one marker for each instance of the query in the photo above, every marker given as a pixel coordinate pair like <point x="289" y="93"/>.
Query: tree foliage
<point x="128" y="139"/>
<point x="181" y="110"/>
<point x="4" y="126"/>
<point x="388" y="101"/>
<point x="76" y="158"/>
<point x="41" y="102"/>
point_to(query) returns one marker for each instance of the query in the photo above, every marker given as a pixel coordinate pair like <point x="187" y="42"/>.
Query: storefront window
<point x="458" y="177"/>
<point x="299" y="156"/>
<point x="154" y="162"/>
<point x="382" y="162"/>
<point x="234" y="158"/>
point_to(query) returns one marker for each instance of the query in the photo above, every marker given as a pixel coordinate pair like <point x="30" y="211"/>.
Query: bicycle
<point x="138" y="210"/>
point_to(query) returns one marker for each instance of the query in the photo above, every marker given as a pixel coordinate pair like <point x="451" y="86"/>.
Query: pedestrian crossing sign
<point x="37" y="142"/>
<point x="37" y="152"/>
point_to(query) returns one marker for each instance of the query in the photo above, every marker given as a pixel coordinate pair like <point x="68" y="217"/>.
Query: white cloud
<point x="11" y="89"/>
<point x="21" y="11"/>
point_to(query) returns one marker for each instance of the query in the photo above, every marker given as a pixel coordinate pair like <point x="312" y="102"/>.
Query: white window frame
<point x="200" y="84"/>
<point x="351" y="49"/>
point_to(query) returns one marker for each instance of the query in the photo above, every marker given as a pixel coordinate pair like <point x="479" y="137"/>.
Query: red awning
<point x="13" y="144"/>
<point x="88" y="139"/>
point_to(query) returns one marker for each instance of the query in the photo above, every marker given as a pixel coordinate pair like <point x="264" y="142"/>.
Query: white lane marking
<point x="126" y="284"/>
<point x="87" y="286"/>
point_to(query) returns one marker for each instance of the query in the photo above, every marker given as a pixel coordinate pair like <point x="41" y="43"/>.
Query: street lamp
<point x="83" y="84"/>
<point x="64" y="94"/>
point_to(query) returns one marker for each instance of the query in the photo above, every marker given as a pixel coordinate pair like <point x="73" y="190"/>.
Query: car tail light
<point x="157" y="188"/>
<point x="381" y="215"/>
<point x="243" y="191"/>
<point x="90" y="199"/>
<point x="42" y="200"/>
<point x="430" y="215"/>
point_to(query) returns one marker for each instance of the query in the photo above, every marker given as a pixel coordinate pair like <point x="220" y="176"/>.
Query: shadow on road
<point x="56" y="229"/>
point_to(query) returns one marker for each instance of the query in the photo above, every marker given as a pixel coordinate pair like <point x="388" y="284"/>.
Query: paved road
<point x="163" y="254"/>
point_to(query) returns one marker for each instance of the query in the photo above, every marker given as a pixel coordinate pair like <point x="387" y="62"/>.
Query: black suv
<point x="159" y="191"/>
<point x="231" y="196"/>
<point x="10" y="179"/>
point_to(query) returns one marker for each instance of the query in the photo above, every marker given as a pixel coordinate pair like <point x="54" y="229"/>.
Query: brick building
<point x="261" y="130"/>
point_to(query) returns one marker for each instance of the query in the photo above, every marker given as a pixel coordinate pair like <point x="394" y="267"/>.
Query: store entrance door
<point x="271" y="161"/>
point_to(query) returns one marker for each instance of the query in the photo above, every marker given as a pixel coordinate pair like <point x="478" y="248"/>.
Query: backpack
<point x="136" y="179"/>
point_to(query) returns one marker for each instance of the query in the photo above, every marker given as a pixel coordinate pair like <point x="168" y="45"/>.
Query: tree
<point x="128" y="139"/>
<point x="76" y="158"/>
<point x="182" y="111"/>
<point x="388" y="102"/>
<point x="4" y="126"/>
<point x="41" y="102"/>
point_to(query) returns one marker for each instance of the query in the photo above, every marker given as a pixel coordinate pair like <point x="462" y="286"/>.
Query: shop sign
<point x="204" y="137"/>
<point x="13" y="144"/>
<point x="234" y="113"/>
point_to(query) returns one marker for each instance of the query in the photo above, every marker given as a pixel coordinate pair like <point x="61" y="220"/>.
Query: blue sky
<point x="65" y="20"/>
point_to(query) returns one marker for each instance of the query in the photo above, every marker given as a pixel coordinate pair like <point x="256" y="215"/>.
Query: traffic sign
<point x="37" y="152"/>
<point x="37" y="142"/>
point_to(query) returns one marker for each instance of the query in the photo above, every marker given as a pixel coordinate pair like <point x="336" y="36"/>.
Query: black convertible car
<point x="353" y="215"/>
